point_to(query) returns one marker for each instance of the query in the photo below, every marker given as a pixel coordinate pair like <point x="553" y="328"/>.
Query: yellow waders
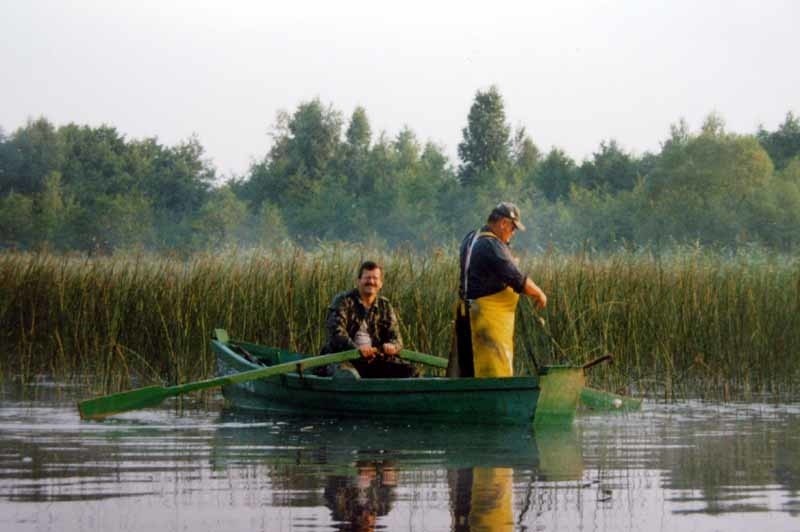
<point x="482" y="498"/>
<point x="492" y="502"/>
<point x="492" y="331"/>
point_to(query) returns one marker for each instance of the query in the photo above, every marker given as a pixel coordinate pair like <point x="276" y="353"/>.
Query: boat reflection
<point x="361" y="465"/>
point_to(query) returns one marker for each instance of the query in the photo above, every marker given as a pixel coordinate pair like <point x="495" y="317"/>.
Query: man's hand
<point x="389" y="350"/>
<point x="368" y="352"/>
<point x="540" y="300"/>
<point x="537" y="294"/>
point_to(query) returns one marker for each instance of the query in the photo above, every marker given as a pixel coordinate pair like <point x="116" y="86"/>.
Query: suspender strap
<point x="468" y="259"/>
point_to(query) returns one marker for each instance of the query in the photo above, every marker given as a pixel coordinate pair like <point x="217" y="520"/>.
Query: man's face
<point x="370" y="282"/>
<point x="508" y="229"/>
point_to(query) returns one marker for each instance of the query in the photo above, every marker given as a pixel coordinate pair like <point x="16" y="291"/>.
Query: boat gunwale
<point x="315" y="383"/>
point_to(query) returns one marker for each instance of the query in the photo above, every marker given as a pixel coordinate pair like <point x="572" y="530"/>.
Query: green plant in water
<point x="688" y="323"/>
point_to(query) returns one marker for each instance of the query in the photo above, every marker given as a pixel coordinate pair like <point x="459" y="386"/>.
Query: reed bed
<point x="689" y="324"/>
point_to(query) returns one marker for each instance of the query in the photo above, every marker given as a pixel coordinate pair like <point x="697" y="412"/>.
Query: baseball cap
<point x="508" y="210"/>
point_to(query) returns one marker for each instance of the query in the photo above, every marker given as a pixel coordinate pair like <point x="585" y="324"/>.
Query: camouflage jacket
<point x="346" y="314"/>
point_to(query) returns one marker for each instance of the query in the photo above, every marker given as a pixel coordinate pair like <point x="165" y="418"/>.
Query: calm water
<point x="684" y="467"/>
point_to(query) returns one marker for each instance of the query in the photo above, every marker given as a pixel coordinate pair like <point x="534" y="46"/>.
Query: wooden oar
<point x="422" y="358"/>
<point x="150" y="396"/>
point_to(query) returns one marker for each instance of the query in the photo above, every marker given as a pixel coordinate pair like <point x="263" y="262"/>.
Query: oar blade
<point x="101" y="407"/>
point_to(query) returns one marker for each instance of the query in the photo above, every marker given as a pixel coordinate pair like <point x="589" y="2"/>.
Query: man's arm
<point x="537" y="294"/>
<point x="505" y="267"/>
<point x="391" y="339"/>
<point x="512" y="276"/>
<point x="336" y="326"/>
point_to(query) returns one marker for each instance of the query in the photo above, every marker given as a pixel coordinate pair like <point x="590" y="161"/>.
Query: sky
<point x="572" y="73"/>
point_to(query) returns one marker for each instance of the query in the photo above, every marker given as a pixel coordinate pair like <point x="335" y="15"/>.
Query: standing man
<point x="490" y="285"/>
<point x="361" y="319"/>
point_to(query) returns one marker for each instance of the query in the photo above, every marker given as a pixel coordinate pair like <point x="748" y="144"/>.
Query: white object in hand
<point x="362" y="339"/>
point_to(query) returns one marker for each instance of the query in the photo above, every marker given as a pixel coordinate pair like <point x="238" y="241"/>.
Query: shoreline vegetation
<point x="687" y="323"/>
<point x="325" y="177"/>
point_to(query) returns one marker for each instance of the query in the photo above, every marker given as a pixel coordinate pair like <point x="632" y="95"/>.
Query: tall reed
<point x="691" y="323"/>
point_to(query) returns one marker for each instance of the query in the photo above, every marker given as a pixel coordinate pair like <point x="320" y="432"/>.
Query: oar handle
<point x="596" y="361"/>
<point x="269" y="371"/>
<point x="422" y="358"/>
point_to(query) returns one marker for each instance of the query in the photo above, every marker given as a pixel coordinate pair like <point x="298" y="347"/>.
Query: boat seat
<point x="346" y="373"/>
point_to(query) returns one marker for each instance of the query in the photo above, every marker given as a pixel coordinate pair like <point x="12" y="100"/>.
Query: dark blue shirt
<point x="491" y="268"/>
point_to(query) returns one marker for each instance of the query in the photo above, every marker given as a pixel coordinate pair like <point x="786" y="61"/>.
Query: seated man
<point x="361" y="319"/>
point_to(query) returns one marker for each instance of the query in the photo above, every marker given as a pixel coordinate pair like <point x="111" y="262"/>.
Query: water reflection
<point x="364" y="462"/>
<point x="357" y="501"/>
<point x="482" y="496"/>
<point x="695" y="466"/>
<point x="728" y="461"/>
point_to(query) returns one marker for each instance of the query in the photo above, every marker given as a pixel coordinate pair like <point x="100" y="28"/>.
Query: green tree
<point x="30" y="155"/>
<point x="408" y="150"/>
<point x="333" y="212"/>
<point x="526" y="159"/>
<point x="774" y="216"/>
<point x="784" y="143"/>
<point x="610" y="169"/>
<point x="16" y="220"/>
<point x="525" y="153"/>
<point x="220" y="220"/>
<point x="414" y="198"/>
<point x="485" y="142"/>
<point x="179" y="179"/>
<point x="8" y="162"/>
<point x="555" y="175"/>
<point x="440" y="176"/>
<point x="435" y="163"/>
<point x="50" y="209"/>
<point x="94" y="161"/>
<point x="314" y="134"/>
<point x="355" y="150"/>
<point x="606" y="220"/>
<point x="702" y="183"/>
<point x="272" y="230"/>
<point x="551" y="225"/>
<point x="775" y="213"/>
<point x="305" y="148"/>
<point x="381" y="167"/>
<point x="791" y="172"/>
<point x="127" y="220"/>
<point x="359" y="132"/>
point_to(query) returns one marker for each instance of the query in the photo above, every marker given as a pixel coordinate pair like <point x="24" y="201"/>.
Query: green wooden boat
<point x="550" y="397"/>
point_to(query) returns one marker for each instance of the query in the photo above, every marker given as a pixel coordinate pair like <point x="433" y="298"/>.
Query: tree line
<point x="324" y="178"/>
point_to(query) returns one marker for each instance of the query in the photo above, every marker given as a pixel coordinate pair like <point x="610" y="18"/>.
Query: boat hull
<point x="496" y="401"/>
